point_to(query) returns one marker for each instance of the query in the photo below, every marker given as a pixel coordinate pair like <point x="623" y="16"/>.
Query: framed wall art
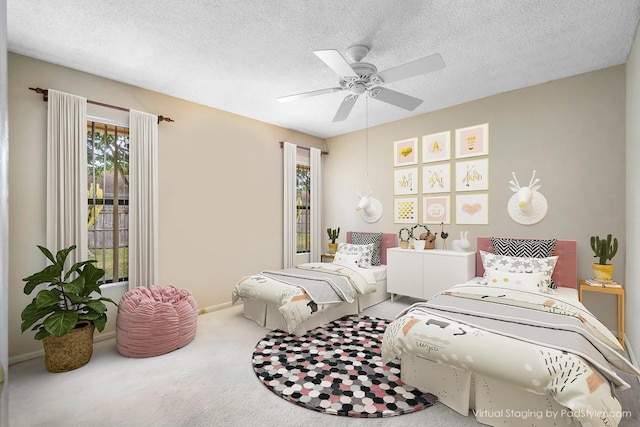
<point x="436" y="178"/>
<point x="405" y="210"/>
<point x="472" y="175"/>
<point x="436" y="210"/>
<point x="405" y="152"/>
<point x="472" y="141"/>
<point x="405" y="181"/>
<point x="472" y="208"/>
<point x="436" y="147"/>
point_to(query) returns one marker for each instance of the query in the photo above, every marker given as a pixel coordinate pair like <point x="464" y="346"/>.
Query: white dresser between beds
<point x="422" y="274"/>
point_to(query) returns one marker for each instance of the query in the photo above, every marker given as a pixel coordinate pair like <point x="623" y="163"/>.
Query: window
<point x="108" y="198"/>
<point x="303" y="209"/>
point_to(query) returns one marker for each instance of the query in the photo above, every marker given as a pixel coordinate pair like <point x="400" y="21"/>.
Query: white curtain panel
<point x="143" y="199"/>
<point x="316" y="205"/>
<point x="67" y="209"/>
<point x="289" y="207"/>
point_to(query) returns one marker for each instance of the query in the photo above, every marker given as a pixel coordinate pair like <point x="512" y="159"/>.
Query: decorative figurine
<point x="443" y="235"/>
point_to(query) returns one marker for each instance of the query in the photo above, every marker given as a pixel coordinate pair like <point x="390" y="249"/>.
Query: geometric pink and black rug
<point x="337" y="369"/>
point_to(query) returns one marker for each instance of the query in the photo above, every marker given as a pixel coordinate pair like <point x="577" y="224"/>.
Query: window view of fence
<point x="303" y="211"/>
<point x="108" y="198"/>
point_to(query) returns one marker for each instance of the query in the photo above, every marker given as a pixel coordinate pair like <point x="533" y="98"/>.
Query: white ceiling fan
<point x="360" y="77"/>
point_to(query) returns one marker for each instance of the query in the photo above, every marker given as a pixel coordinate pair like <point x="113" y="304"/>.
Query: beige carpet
<point x="210" y="382"/>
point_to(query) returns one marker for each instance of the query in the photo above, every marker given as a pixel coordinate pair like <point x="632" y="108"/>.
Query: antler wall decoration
<point x="527" y="206"/>
<point x="369" y="207"/>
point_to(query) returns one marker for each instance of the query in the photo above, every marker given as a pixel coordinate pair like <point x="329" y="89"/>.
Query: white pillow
<point x="524" y="281"/>
<point x="364" y="252"/>
<point x="348" y="260"/>
<point x="521" y="265"/>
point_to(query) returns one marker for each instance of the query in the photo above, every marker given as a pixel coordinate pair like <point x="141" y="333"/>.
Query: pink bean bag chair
<point x="155" y="320"/>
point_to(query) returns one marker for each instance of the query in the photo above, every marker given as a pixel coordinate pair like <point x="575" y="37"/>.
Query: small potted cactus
<point x="603" y="249"/>
<point x="333" y="233"/>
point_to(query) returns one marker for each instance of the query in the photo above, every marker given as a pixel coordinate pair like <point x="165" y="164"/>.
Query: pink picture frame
<point x="436" y="147"/>
<point x="436" y="210"/>
<point x="405" y="152"/>
<point x="472" y="141"/>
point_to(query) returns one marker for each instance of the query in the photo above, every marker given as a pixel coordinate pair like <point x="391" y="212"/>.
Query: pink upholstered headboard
<point x="566" y="272"/>
<point x="389" y="240"/>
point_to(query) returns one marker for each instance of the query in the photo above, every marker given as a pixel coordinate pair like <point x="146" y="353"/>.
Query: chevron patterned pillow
<point x="525" y="248"/>
<point x="366" y="239"/>
<point x="531" y="248"/>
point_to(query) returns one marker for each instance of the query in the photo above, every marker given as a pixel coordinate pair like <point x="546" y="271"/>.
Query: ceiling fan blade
<point x="336" y="62"/>
<point x="412" y="69"/>
<point x="395" y="98"/>
<point x="309" y="94"/>
<point x="345" y="108"/>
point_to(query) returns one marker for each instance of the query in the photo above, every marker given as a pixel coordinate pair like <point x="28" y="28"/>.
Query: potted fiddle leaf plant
<point x="66" y="311"/>
<point x="333" y="233"/>
<point x="604" y="249"/>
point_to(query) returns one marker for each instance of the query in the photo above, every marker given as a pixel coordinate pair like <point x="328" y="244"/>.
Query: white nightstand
<point x="422" y="274"/>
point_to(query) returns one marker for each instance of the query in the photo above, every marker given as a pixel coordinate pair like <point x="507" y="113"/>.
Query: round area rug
<point x="337" y="369"/>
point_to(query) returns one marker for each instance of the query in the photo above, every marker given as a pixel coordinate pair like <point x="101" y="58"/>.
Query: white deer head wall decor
<point x="527" y="206"/>
<point x="369" y="207"/>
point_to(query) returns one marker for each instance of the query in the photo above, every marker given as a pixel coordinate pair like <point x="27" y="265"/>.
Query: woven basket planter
<point x="70" y="351"/>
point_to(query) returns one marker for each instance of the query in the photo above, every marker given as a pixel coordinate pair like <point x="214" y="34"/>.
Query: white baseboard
<point x="40" y="353"/>
<point x="24" y="357"/>
<point x="107" y="335"/>
<point x="217" y="307"/>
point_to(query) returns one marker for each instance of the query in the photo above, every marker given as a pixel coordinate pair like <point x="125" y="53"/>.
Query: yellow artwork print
<point x="406" y="151"/>
<point x="436" y="147"/>
<point x="471" y="175"/>
<point x="406" y="210"/>
<point x="436" y="180"/>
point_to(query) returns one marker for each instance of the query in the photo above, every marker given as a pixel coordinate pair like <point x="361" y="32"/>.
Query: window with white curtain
<point x="108" y="199"/>
<point x="303" y="208"/>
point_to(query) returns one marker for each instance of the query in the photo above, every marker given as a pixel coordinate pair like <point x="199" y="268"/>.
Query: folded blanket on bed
<point x="321" y="288"/>
<point x="562" y="329"/>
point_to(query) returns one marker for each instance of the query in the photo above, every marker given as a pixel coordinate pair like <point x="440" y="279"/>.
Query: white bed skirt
<point x="493" y="402"/>
<point x="269" y="316"/>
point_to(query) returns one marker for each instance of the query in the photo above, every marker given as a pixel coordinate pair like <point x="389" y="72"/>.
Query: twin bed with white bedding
<point x="511" y="349"/>
<point x="312" y="294"/>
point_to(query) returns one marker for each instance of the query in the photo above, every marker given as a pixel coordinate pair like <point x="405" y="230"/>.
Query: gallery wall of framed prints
<point x="443" y="177"/>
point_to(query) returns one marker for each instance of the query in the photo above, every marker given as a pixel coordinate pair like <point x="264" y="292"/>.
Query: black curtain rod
<point x="45" y="97"/>
<point x="303" y="148"/>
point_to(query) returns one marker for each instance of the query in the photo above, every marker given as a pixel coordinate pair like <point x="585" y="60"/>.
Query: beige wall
<point x="220" y="187"/>
<point x="220" y="180"/>
<point x="633" y="196"/>
<point x="572" y="131"/>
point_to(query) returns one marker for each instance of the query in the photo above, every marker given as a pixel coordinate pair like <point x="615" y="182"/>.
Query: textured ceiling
<point x="240" y="56"/>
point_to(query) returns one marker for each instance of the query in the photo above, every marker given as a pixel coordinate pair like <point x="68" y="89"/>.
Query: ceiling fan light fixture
<point x="357" y="52"/>
<point x="358" y="89"/>
<point x="363" y="78"/>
